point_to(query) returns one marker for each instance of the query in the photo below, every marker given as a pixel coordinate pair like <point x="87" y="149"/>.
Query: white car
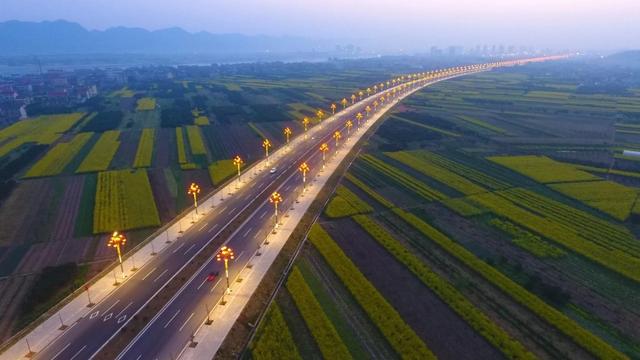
<point x="273" y="170"/>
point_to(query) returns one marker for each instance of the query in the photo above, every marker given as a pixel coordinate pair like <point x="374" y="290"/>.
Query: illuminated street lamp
<point x="305" y="123"/>
<point x="368" y="91"/>
<point x="303" y="169"/>
<point x="353" y="98"/>
<point x="344" y="103"/>
<point x="224" y="255"/>
<point x="237" y="161"/>
<point x="333" y="108"/>
<point x="275" y="199"/>
<point x="359" y="117"/>
<point x="287" y="133"/>
<point x="194" y="190"/>
<point x="375" y="104"/>
<point x="349" y="124"/>
<point x="375" y="88"/>
<point x="337" y="135"/>
<point x="319" y="115"/>
<point x="266" y="144"/>
<point x="324" y="148"/>
<point x="117" y="241"/>
<point x="367" y="109"/>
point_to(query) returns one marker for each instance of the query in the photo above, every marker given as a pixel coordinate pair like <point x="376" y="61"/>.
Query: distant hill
<point x="63" y="37"/>
<point x="631" y="57"/>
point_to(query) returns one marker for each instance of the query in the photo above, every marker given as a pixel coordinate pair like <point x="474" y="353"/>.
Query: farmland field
<point x="123" y="201"/>
<point x="144" y="152"/>
<point x="102" y="153"/>
<point x="146" y="104"/>
<point x="500" y="195"/>
<point x="55" y="161"/>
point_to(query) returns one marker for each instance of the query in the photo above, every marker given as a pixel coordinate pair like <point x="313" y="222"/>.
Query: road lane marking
<point x="233" y="210"/>
<point x="125" y="308"/>
<point x="185" y="322"/>
<point x="78" y="353"/>
<point x="213" y="228"/>
<point x="173" y="317"/>
<point x="139" y="357"/>
<point x="239" y="256"/>
<point x="178" y="248"/>
<point x="214" y="285"/>
<point x="189" y="249"/>
<point x="247" y="232"/>
<point x="203" y="281"/>
<point x="150" y="272"/>
<point x="223" y="208"/>
<point x="159" y="276"/>
<point x="60" y="352"/>
<point x="111" y="307"/>
<point x="263" y="214"/>
<point x="203" y="226"/>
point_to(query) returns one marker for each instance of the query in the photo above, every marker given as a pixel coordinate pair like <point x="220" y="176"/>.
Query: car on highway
<point x="273" y="170"/>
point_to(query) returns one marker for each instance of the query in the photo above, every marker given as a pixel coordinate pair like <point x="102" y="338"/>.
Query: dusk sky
<point x="409" y="24"/>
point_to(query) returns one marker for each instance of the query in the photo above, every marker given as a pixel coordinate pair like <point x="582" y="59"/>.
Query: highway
<point x="248" y="209"/>
<point x="86" y="337"/>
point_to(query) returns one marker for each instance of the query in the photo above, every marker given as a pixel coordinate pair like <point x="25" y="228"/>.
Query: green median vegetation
<point x="400" y="335"/>
<point x="323" y="331"/>
<point x="511" y="348"/>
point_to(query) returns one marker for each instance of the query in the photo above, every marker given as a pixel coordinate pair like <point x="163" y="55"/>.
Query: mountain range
<point x="63" y="37"/>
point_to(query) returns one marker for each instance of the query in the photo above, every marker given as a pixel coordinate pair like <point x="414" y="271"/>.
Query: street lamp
<point x="333" y="108"/>
<point x="237" y="161"/>
<point x="266" y="144"/>
<point x="305" y="123"/>
<point x="324" y="148"/>
<point x="194" y="190"/>
<point x="349" y="125"/>
<point x="367" y="109"/>
<point x="224" y="255"/>
<point x="353" y="98"/>
<point x="359" y="117"/>
<point x="287" y="133"/>
<point x="303" y="169"/>
<point x="319" y="114"/>
<point x="375" y="105"/>
<point x="368" y="91"/>
<point x="275" y="199"/>
<point x="360" y="94"/>
<point x="337" y="135"/>
<point x="344" y="103"/>
<point x="116" y="241"/>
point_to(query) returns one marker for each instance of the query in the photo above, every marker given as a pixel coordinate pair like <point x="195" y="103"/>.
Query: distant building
<point x="631" y="153"/>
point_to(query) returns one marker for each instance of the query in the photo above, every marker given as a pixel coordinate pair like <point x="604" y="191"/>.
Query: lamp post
<point x="344" y="103"/>
<point x="303" y="169"/>
<point x="305" y="123"/>
<point x="360" y="95"/>
<point x="116" y="241"/>
<point x="375" y="105"/>
<point x="266" y="144"/>
<point x="224" y="255"/>
<point x="319" y="115"/>
<point x="337" y="135"/>
<point x="194" y="190"/>
<point x="353" y="98"/>
<point x="359" y="117"/>
<point x="367" y="110"/>
<point x="368" y="91"/>
<point x="333" y="108"/>
<point x="324" y="148"/>
<point x="349" y="124"/>
<point x="287" y="132"/>
<point x="237" y="161"/>
<point x="275" y="199"/>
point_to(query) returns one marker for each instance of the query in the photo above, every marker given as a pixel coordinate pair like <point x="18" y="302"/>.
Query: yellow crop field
<point x="146" y="104"/>
<point x="221" y="170"/>
<point x="45" y="129"/>
<point x="182" y="155"/>
<point x="543" y="169"/>
<point x="145" y="149"/>
<point x="201" y="120"/>
<point x="124" y="201"/>
<point x="195" y="140"/>
<point x="608" y="196"/>
<point x="102" y="153"/>
<point x="54" y="162"/>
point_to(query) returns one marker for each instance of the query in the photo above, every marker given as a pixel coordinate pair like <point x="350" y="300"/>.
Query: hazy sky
<point x="391" y="24"/>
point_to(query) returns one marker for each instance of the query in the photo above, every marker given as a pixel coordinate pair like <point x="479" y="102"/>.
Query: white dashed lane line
<point x="159" y="276"/>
